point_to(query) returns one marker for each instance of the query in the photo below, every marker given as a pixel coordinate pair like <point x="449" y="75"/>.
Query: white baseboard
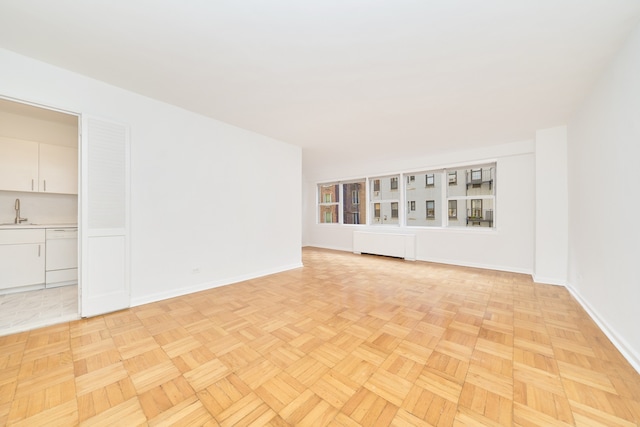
<point x="478" y="265"/>
<point x="445" y="261"/>
<point x="548" y="280"/>
<point x="618" y="340"/>
<point x="209" y="285"/>
<point x="333" y="248"/>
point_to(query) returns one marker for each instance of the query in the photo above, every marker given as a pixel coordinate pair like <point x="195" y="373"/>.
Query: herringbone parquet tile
<point x="345" y="341"/>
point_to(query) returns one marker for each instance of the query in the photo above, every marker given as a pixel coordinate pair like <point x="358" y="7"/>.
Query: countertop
<point x="29" y="225"/>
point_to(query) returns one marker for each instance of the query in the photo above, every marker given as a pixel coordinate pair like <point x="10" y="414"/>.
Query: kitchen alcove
<point x="94" y="195"/>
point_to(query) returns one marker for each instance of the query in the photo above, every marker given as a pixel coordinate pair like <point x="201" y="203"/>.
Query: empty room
<point x="336" y="213"/>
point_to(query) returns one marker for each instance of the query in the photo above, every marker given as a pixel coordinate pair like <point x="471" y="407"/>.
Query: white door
<point x="104" y="217"/>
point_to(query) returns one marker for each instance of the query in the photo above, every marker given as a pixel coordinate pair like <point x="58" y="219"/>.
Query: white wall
<point x="604" y="201"/>
<point x="552" y="207"/>
<point x="206" y="196"/>
<point x="509" y="247"/>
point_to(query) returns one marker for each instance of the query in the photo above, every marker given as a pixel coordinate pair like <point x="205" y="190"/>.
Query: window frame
<point x="432" y="214"/>
<point x="393" y="183"/>
<point x="433" y="180"/>
<point x="454" y="209"/>
<point x="395" y="197"/>
<point x="453" y="181"/>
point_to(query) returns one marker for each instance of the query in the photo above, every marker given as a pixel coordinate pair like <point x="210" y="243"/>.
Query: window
<point x="476" y="209"/>
<point x="431" y="209"/>
<point x="430" y="180"/>
<point x="453" y="178"/>
<point x="429" y="189"/>
<point x="456" y="197"/>
<point x="386" y="200"/>
<point x="328" y="197"/>
<point x="352" y="209"/>
<point x="480" y="212"/>
<point x="474" y="195"/>
<point x="453" y="209"/>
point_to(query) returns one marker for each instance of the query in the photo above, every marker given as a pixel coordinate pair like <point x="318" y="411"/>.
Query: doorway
<point x="48" y="204"/>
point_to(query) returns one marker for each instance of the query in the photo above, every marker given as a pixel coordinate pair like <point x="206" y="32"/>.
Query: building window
<point x="474" y="195"/>
<point x="430" y="180"/>
<point x="476" y="209"/>
<point x="352" y="209"/>
<point x="376" y="210"/>
<point x="385" y="198"/>
<point x="412" y="205"/>
<point x="453" y="209"/>
<point x="431" y="209"/>
<point x="480" y="212"/>
<point x="453" y="178"/>
<point x="328" y="197"/>
<point x="411" y="178"/>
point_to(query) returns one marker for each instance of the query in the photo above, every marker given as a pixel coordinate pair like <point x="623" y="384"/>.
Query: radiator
<point x="396" y="245"/>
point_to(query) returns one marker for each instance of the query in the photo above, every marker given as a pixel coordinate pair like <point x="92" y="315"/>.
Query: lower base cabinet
<point x="22" y="258"/>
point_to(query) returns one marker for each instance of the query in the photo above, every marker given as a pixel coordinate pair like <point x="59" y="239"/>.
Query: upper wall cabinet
<point x="18" y="165"/>
<point x="31" y="166"/>
<point x="58" y="170"/>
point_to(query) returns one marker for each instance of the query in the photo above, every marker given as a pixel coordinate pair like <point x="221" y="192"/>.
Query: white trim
<point x="548" y="280"/>
<point x="439" y="261"/>
<point x="616" y="339"/>
<point x="477" y="265"/>
<point x="210" y="285"/>
<point x="39" y="105"/>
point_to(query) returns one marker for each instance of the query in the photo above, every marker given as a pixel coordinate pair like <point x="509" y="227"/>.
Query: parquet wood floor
<point x="347" y="340"/>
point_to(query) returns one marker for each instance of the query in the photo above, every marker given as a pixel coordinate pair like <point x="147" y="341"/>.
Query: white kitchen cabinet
<point x="32" y="166"/>
<point x="58" y="169"/>
<point x="22" y="258"/>
<point x="19" y="165"/>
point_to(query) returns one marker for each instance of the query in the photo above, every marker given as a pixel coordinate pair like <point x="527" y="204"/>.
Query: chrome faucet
<point x="18" y="220"/>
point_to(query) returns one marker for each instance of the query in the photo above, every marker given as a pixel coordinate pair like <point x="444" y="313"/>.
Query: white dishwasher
<point x="62" y="257"/>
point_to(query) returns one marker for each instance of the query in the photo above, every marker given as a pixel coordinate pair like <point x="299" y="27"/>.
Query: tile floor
<point x="22" y="311"/>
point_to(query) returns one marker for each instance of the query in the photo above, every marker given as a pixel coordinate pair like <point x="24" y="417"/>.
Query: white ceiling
<point x="340" y="78"/>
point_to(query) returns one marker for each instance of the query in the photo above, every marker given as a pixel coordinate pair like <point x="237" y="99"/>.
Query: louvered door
<point x="104" y="212"/>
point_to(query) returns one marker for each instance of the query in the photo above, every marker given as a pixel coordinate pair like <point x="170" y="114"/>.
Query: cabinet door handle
<point x="31" y="184"/>
<point x="38" y="250"/>
<point x="45" y="185"/>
